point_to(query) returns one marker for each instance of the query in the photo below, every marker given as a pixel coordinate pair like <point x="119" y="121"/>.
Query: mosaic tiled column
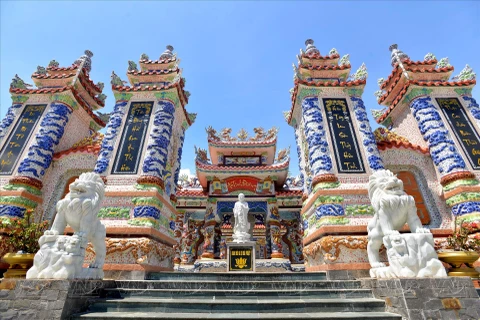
<point x="13" y="112"/>
<point x="161" y="133"/>
<point x="40" y="152"/>
<point x="443" y="151"/>
<point x="273" y="221"/>
<point x="178" y="163"/>
<point x="178" y="237"/>
<point x="318" y="151"/>
<point x="108" y="142"/>
<point x="209" y="230"/>
<point x="472" y="108"/>
<point x="366" y="134"/>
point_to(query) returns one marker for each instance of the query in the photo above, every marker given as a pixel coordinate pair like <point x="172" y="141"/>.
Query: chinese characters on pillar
<point x="17" y="141"/>
<point x="133" y="136"/>
<point x="463" y="129"/>
<point x="347" y="154"/>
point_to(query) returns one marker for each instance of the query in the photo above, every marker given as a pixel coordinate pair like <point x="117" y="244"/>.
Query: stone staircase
<point x="237" y="296"/>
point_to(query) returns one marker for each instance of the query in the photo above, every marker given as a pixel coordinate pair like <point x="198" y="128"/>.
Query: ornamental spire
<point x="86" y="60"/>
<point x="167" y="54"/>
<point x="311" y="49"/>
<point x="399" y="57"/>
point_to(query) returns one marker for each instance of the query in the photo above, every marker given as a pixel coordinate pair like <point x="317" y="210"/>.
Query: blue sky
<point x="236" y="56"/>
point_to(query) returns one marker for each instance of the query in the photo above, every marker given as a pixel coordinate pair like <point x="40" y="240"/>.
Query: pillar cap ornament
<point x="167" y="54"/>
<point x="397" y="54"/>
<point x="311" y="49"/>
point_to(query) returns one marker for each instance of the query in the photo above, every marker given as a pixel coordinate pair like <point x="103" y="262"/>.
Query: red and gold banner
<point x="242" y="183"/>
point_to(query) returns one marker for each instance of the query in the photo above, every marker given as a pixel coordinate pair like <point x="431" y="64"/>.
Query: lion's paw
<point x="391" y="232"/>
<point x="422" y="230"/>
<point x="378" y="265"/>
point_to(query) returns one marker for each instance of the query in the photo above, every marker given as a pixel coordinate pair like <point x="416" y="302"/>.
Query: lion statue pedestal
<point x="61" y="257"/>
<point x="409" y="255"/>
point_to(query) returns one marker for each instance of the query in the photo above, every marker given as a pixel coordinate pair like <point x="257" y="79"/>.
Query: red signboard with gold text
<point x="241" y="183"/>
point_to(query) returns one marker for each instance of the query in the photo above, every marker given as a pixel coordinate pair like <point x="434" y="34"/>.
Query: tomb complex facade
<point x="157" y="220"/>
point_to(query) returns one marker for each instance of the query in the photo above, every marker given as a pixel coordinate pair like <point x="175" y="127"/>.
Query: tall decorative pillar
<point x="178" y="237"/>
<point x="211" y="220"/>
<point x="33" y="133"/>
<point x="274" y="226"/>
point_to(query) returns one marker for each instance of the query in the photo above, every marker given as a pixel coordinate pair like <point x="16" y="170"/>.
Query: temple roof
<point x="314" y="70"/>
<point x="408" y="74"/>
<point x="90" y="144"/>
<point x="387" y="139"/>
<point x="162" y="75"/>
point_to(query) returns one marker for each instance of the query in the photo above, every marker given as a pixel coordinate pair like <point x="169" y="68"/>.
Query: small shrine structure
<point x="247" y="165"/>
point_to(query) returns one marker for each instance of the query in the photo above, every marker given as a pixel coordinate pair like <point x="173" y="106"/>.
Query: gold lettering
<point x="339" y="117"/>
<point x="124" y="167"/>
<point x="23" y="129"/>
<point x="347" y="155"/>
<point x="136" y="120"/>
<point x="464" y="133"/>
<point x="475" y="152"/>
<point x="128" y="157"/>
<point x="454" y="116"/>
<point x="19" y="136"/>
<point x="5" y="163"/>
<point x="27" y="120"/>
<point x="135" y="128"/>
<point x="470" y="142"/>
<point x="9" y="154"/>
<point x="132" y="138"/>
<point x="350" y="165"/>
<point x="339" y="126"/>
<point x="459" y="124"/>
<point x="130" y="148"/>
<point x="14" y="144"/>
<point x="343" y="135"/>
<point x="346" y="145"/>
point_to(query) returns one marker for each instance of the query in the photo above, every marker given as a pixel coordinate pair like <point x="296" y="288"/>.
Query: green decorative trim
<point x="185" y="125"/>
<point x="463" y="197"/>
<point x="168" y="95"/>
<point x="416" y="92"/>
<point x="212" y="200"/>
<point x="123" y="96"/>
<point x="271" y="200"/>
<point x="148" y="188"/>
<point x="95" y="126"/>
<point x="327" y="199"/>
<point x="114" y="212"/>
<point x="29" y="189"/>
<point x="331" y="221"/>
<point x="65" y="98"/>
<point x="326" y="185"/>
<point x="353" y="92"/>
<point x="463" y="91"/>
<point x="19" y="99"/>
<point x="18" y="201"/>
<point x="143" y="222"/>
<point x="471" y="217"/>
<point x="387" y="123"/>
<point x="458" y="183"/>
<point x="359" y="210"/>
<point x="147" y="201"/>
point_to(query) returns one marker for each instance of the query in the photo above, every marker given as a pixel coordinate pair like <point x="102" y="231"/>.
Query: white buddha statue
<point x="242" y="227"/>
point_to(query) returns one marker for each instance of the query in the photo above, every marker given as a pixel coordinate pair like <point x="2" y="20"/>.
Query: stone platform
<point x="427" y="298"/>
<point x="261" y="265"/>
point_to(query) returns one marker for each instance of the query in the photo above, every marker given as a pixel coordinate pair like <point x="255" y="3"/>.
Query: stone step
<point x="270" y="276"/>
<point x="246" y="316"/>
<point x="245" y="284"/>
<point x="213" y="294"/>
<point x="237" y="305"/>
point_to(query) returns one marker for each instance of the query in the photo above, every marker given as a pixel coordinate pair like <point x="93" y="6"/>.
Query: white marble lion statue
<point x="62" y="256"/>
<point x="393" y="208"/>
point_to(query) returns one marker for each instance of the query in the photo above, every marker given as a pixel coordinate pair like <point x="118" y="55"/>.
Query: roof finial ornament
<point x="466" y="74"/>
<point x="116" y="81"/>
<point x="167" y="54"/>
<point x="399" y="57"/>
<point x="86" y="60"/>
<point x="18" y="83"/>
<point x="41" y="70"/>
<point x="311" y="49"/>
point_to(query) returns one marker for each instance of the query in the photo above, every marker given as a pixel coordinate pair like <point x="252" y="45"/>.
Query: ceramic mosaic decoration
<point x="156" y="220"/>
